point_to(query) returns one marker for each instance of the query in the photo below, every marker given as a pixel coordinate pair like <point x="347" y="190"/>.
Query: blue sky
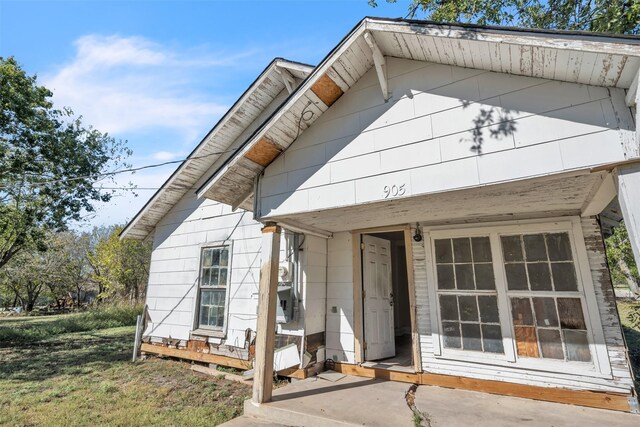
<point x="159" y="74"/>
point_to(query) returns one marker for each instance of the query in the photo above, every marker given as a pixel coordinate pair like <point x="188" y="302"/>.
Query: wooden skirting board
<point x="197" y="356"/>
<point x="226" y="360"/>
<point x="593" y="399"/>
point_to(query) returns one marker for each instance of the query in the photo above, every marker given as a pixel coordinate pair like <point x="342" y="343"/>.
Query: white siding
<point x="422" y="138"/>
<point x="313" y="274"/>
<point x="339" y="333"/>
<point x="173" y="278"/>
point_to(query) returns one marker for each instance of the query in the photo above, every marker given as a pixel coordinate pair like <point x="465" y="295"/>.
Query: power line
<point x="129" y="170"/>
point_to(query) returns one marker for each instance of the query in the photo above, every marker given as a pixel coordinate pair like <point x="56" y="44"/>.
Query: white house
<point x="428" y="205"/>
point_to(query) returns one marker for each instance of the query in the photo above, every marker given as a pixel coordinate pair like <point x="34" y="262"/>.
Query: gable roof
<point x="267" y="86"/>
<point x="571" y="56"/>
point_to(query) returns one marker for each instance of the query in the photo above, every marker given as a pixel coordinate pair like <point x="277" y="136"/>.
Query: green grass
<point x="15" y="330"/>
<point x="70" y="378"/>
<point x="630" y="318"/>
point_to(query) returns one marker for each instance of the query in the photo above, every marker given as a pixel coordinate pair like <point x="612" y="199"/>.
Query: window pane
<point x="484" y="276"/>
<point x="206" y="258"/>
<point x="224" y="257"/>
<point x="223" y="277"/>
<point x="471" y="336"/>
<point x="571" y="316"/>
<point x="492" y="339"/>
<point x="206" y="277"/>
<point x="559" y="247"/>
<point x="545" y="309"/>
<point x="449" y="307"/>
<point x="464" y="276"/>
<point x="564" y="276"/>
<point x="468" y="308"/>
<point x="451" y="332"/>
<point x="511" y="248"/>
<point x="204" y="316"/>
<point x="445" y="277"/>
<point x="488" y="309"/>
<point x="521" y="311"/>
<point x="443" y="251"/>
<point x="551" y="344"/>
<point x="481" y="247"/>
<point x="461" y="250"/>
<point x="534" y="247"/>
<point x="577" y="346"/>
<point x="214" y="276"/>
<point x="526" y="341"/>
<point x="516" y="277"/>
<point x="539" y="276"/>
<point x="215" y="257"/>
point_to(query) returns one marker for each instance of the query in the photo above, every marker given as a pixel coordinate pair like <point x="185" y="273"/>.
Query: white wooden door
<point x="378" y="298"/>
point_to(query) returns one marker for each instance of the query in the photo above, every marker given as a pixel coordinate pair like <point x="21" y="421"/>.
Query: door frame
<point x="358" y="303"/>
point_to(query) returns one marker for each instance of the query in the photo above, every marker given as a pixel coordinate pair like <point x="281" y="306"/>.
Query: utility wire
<point x="129" y="170"/>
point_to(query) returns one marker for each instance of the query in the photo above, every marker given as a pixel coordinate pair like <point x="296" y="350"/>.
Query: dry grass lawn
<point x="86" y="378"/>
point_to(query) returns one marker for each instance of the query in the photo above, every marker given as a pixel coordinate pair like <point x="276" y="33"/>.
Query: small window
<point x="214" y="272"/>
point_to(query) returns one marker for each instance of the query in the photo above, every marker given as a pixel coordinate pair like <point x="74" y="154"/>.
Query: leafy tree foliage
<point x="611" y="16"/>
<point x="622" y="264"/>
<point x="122" y="265"/>
<point x="50" y="163"/>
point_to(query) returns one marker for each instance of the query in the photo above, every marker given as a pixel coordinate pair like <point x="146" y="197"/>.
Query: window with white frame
<point x="214" y="273"/>
<point x="467" y="295"/>
<point x="521" y="282"/>
<point x="546" y="305"/>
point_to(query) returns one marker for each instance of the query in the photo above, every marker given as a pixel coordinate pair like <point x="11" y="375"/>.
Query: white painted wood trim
<point x="431" y="289"/>
<point x="559" y="41"/>
<point x="631" y="98"/>
<point x="604" y="194"/>
<point x="380" y="65"/>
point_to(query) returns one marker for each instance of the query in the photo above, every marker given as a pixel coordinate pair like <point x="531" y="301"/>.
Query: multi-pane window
<point x="529" y="284"/>
<point x="546" y="307"/>
<point x="214" y="268"/>
<point x="467" y="295"/>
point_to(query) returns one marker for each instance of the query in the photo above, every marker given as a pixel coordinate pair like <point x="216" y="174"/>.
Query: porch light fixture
<point x="418" y="236"/>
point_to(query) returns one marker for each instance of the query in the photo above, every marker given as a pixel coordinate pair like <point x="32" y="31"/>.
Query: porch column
<point x="629" y="199"/>
<point x="266" y="329"/>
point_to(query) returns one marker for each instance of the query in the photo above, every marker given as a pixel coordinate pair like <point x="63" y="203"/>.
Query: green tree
<point x="122" y="266"/>
<point x="51" y="165"/>
<point x="611" y="16"/>
<point x="622" y="264"/>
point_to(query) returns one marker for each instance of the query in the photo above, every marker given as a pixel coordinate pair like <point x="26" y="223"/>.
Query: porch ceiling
<point x="564" y="194"/>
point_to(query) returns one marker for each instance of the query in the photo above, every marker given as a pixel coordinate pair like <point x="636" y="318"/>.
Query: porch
<point x="368" y="401"/>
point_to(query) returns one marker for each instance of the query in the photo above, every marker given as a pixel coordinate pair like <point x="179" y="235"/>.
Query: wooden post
<point x="266" y="329"/>
<point x="629" y="197"/>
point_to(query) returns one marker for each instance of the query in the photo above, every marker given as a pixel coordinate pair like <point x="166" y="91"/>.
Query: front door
<point x="378" y="298"/>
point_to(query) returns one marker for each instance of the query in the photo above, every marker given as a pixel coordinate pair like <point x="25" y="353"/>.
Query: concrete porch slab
<point x="365" y="401"/>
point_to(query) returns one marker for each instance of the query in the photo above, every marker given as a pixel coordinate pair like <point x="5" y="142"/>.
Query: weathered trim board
<point x="230" y="362"/>
<point x="592" y="399"/>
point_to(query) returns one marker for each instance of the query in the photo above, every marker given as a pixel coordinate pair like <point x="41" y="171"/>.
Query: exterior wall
<point x="175" y="260"/>
<point x="423" y="139"/>
<point x="313" y="272"/>
<point x="178" y="238"/>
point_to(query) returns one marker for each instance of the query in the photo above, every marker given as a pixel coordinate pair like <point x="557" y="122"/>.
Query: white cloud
<point x="124" y="84"/>
<point x="164" y="156"/>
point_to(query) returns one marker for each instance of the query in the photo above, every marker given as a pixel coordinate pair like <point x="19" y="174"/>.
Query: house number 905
<point x="393" y="190"/>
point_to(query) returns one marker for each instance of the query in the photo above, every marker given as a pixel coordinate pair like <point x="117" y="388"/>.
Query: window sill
<point x="208" y="333"/>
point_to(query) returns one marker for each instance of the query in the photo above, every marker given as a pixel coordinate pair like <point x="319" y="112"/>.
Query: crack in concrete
<point x="420" y="418"/>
